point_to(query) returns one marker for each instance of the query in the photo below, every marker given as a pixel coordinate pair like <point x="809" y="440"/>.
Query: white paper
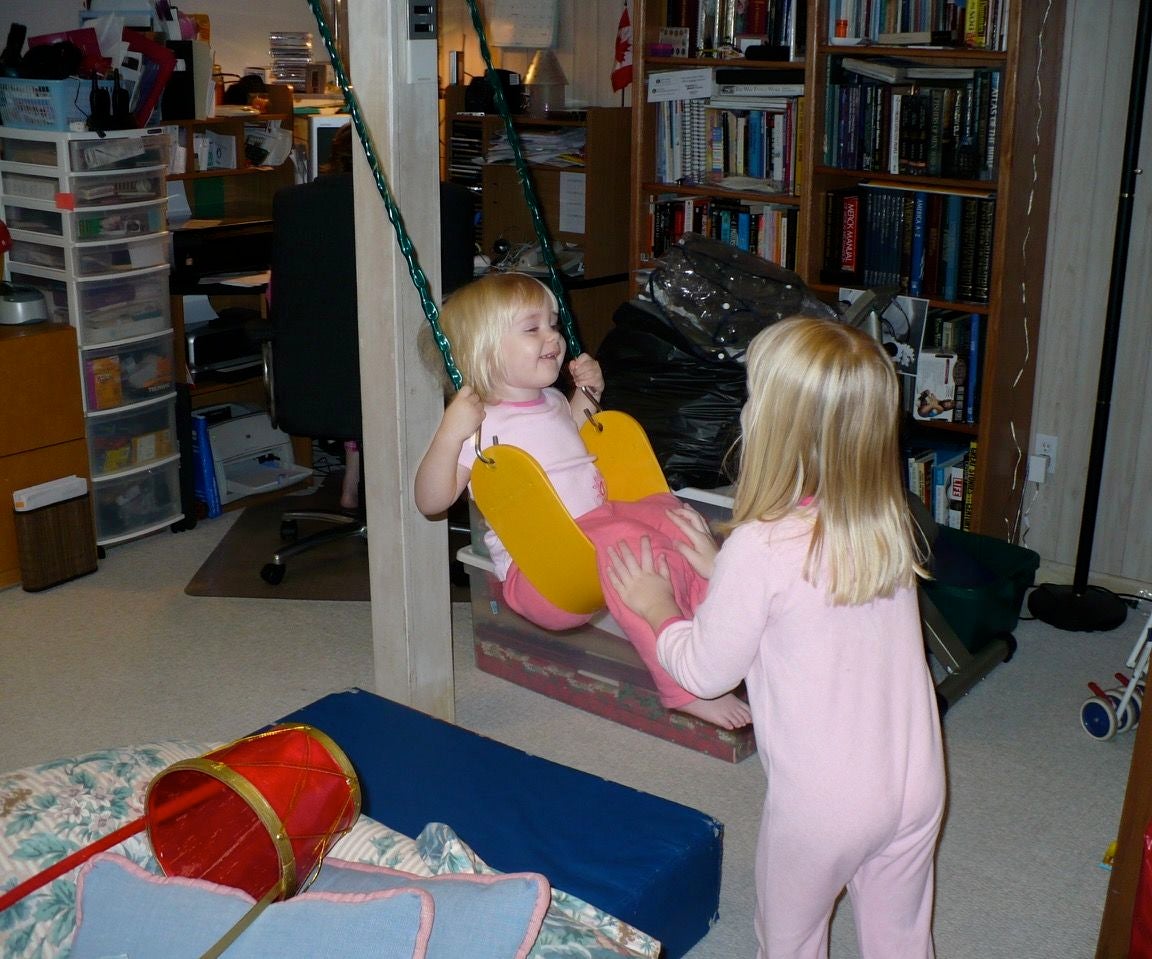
<point x="198" y="310"/>
<point x="522" y="23"/>
<point x="680" y="85"/>
<point x="572" y="193"/>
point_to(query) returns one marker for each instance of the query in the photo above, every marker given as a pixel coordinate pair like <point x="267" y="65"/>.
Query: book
<point x="950" y="245"/>
<point x="916" y="38"/>
<point x="893" y="70"/>
<point x="935" y="385"/>
<point x="947" y="461"/>
<point x="205" y="488"/>
<point x="975" y="24"/>
<point x="954" y="493"/>
<point x="972" y="385"/>
<point x="969" y="486"/>
<point x="919" y="238"/>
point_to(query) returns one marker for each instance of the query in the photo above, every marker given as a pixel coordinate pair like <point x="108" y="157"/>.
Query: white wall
<point x="1090" y="143"/>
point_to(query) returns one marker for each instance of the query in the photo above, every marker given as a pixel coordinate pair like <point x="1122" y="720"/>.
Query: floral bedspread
<point x="49" y="811"/>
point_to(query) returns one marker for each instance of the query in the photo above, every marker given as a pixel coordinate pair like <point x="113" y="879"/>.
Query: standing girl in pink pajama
<point x="508" y="348"/>
<point x="812" y="602"/>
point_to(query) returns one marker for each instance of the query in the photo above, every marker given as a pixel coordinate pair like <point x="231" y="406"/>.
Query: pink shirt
<point x="544" y="428"/>
<point x="841" y="696"/>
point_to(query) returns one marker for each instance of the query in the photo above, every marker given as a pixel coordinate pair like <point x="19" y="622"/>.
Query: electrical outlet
<point x="1046" y="446"/>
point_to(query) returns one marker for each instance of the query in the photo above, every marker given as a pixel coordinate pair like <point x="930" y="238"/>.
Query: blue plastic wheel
<point x="1098" y="717"/>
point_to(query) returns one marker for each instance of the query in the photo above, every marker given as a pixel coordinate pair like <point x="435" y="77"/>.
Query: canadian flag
<point x="622" y="64"/>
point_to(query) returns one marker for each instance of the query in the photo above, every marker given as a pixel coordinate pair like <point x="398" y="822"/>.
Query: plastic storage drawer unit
<point x="138" y="502"/>
<point x="137" y="436"/>
<point x="128" y="373"/>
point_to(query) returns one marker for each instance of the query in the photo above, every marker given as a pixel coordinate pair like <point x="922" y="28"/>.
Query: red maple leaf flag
<point x="622" y="63"/>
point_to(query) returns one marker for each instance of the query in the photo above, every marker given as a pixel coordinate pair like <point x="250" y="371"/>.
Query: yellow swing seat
<point x="518" y="501"/>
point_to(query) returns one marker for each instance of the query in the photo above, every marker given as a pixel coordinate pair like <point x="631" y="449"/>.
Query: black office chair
<point x="312" y="359"/>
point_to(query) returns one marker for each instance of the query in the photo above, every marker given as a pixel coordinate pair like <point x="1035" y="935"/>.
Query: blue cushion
<point x="481" y="917"/>
<point x="125" y="911"/>
<point x="651" y="862"/>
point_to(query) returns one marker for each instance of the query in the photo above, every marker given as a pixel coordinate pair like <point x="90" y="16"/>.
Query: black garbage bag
<point x="720" y="296"/>
<point x="689" y="406"/>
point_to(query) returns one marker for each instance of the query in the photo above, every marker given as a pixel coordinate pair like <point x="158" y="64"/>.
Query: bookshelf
<point x="844" y="145"/>
<point x="580" y="202"/>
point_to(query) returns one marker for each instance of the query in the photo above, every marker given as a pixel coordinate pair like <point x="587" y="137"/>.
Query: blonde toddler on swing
<point x="509" y="350"/>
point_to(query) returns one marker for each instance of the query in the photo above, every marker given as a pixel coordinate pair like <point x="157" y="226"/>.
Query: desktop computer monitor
<point x="321" y="129"/>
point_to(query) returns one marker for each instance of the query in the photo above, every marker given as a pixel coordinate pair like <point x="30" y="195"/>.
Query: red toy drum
<point x="257" y="814"/>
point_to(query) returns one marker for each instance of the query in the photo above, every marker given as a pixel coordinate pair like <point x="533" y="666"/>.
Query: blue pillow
<point x="481" y="917"/>
<point x="125" y="911"/>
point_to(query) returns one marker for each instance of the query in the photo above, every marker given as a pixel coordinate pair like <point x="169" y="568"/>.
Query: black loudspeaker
<point x="478" y="97"/>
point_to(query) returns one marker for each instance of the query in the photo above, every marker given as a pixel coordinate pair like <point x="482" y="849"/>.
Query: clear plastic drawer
<point x="122" y="307"/>
<point x="137" y="502"/>
<point x="43" y="255"/>
<point x="32" y="152"/>
<point x="119" y="153"/>
<point x="121" y="256"/>
<point x="31" y="186"/>
<point x="129" y="373"/>
<point x="133" y="437"/>
<point x="30" y="220"/>
<point x="121" y="222"/>
<point x="113" y="189"/>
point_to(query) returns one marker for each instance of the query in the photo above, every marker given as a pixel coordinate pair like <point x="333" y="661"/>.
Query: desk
<point x="42" y="430"/>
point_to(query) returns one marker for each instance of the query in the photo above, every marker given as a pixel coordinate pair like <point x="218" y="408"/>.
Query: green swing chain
<point x="419" y="279"/>
<point x="526" y="184"/>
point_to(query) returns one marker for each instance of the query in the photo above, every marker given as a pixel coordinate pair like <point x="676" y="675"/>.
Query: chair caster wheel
<point x="273" y="573"/>
<point x="288" y="529"/>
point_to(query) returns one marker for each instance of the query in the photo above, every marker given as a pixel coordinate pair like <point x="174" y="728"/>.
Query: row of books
<point x="711" y="141"/>
<point x="976" y="24"/>
<point x="765" y="229"/>
<point x="719" y="25"/>
<point x="942" y="475"/>
<point x="948" y="368"/>
<point x="930" y="243"/>
<point x="944" y="127"/>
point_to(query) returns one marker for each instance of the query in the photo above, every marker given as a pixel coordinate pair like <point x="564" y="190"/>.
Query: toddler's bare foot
<point x="728" y="711"/>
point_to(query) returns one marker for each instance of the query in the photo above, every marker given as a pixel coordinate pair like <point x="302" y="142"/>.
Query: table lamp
<point x="545" y="83"/>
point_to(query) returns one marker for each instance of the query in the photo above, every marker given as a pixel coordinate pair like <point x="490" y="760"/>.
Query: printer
<point x="227" y="348"/>
<point x="249" y="454"/>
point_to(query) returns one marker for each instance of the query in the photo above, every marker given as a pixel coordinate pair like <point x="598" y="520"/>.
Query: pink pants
<point x="606" y="526"/>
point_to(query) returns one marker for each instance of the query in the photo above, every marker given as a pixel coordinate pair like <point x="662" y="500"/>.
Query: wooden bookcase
<point x="1029" y="86"/>
<point x="581" y="204"/>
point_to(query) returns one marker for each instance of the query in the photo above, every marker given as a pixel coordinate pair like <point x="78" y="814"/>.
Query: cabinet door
<point x="39" y="388"/>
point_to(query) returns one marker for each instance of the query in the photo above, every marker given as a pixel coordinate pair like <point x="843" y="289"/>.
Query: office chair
<point x="312" y="358"/>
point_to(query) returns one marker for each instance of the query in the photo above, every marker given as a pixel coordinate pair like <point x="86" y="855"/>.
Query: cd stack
<point x="291" y="53"/>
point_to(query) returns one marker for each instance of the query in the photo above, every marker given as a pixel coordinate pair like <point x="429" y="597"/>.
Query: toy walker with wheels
<point x="1117" y="708"/>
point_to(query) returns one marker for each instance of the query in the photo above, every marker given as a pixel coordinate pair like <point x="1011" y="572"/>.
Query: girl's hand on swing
<point x="462" y="416"/>
<point x="642" y="584"/>
<point x="586" y="372"/>
<point x="700" y="549"/>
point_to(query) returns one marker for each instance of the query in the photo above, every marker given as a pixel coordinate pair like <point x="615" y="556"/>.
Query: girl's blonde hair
<point x="822" y="421"/>
<point x="477" y="315"/>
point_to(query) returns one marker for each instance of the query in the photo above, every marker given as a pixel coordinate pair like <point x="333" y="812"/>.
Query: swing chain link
<point x="587" y="391"/>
